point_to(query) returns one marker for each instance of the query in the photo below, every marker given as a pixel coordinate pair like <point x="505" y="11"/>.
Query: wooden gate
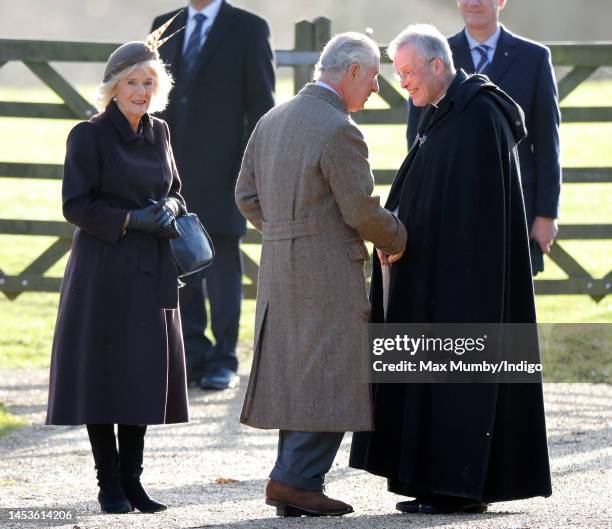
<point x="583" y="58"/>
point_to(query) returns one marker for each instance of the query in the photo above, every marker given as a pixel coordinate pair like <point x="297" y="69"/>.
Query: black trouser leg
<point x="104" y="449"/>
<point x="193" y="323"/>
<point x="131" y="451"/>
<point x="224" y="291"/>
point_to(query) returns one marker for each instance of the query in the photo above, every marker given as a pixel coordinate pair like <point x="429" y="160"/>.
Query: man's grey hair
<point x="427" y="39"/>
<point x="346" y="49"/>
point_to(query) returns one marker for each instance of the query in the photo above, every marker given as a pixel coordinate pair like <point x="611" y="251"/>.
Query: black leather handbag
<point x="193" y="251"/>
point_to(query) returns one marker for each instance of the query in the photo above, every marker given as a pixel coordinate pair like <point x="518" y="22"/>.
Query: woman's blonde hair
<point x="161" y="89"/>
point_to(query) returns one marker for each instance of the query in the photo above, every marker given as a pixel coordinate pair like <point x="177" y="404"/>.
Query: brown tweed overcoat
<point x="306" y="184"/>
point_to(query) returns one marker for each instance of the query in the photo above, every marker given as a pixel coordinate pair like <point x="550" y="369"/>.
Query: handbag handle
<point x="182" y="209"/>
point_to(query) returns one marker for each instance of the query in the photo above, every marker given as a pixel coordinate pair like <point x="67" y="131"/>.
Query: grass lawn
<point x="8" y="422"/>
<point x="27" y="322"/>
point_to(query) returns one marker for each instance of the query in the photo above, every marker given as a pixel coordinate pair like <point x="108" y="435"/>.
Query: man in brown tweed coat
<point x="306" y="184"/>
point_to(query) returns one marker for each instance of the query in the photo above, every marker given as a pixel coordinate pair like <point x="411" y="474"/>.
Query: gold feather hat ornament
<point x="137" y="51"/>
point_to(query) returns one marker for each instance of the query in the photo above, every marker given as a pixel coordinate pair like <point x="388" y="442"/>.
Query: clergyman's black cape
<point x="467" y="260"/>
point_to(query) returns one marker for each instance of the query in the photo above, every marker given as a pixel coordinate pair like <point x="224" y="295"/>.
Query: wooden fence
<point x="583" y="58"/>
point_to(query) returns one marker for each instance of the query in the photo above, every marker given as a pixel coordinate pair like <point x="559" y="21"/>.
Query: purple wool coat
<point x="118" y="353"/>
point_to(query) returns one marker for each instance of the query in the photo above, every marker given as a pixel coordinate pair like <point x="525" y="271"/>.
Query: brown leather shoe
<point x="290" y="501"/>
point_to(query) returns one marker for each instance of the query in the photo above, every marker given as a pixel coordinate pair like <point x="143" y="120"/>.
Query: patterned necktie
<point x="195" y="43"/>
<point x="484" y="57"/>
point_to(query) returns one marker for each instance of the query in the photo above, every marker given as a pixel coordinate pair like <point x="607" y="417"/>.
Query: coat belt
<point x="291" y="229"/>
<point x="155" y="258"/>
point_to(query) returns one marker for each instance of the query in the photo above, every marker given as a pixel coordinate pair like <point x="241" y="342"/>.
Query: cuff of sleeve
<point x="549" y="213"/>
<point x="546" y="204"/>
<point x="115" y="228"/>
<point x="399" y="241"/>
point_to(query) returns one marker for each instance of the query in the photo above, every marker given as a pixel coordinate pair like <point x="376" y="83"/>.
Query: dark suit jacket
<point x="212" y="113"/>
<point x="523" y="69"/>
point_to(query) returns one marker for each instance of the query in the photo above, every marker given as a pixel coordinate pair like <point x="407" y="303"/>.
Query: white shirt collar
<point x="491" y="42"/>
<point x="436" y="103"/>
<point x="211" y="11"/>
<point x="325" y="85"/>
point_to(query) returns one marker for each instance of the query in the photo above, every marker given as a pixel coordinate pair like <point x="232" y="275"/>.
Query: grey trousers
<point x="305" y="457"/>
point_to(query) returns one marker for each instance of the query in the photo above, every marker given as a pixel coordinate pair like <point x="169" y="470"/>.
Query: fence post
<point x="309" y="36"/>
<point x="304" y="35"/>
<point x="322" y="32"/>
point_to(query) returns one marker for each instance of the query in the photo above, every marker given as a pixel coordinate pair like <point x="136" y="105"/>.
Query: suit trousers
<point x="222" y="284"/>
<point x="304" y="458"/>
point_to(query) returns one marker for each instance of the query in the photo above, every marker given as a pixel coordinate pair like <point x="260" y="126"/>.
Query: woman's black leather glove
<point x="153" y="219"/>
<point x="169" y="210"/>
<point x="173" y="205"/>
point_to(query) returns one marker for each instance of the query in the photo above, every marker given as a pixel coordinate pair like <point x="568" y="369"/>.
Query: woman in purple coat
<point x="118" y="355"/>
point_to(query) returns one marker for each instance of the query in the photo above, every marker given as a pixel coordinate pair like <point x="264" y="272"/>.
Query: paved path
<point x="212" y="471"/>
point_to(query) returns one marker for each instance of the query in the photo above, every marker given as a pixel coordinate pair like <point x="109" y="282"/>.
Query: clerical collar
<point x="435" y="105"/>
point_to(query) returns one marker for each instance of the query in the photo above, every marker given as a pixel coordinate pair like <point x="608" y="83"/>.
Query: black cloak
<point x="467" y="261"/>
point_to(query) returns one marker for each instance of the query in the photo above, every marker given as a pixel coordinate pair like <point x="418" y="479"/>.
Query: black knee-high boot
<point x="111" y="497"/>
<point x="131" y="448"/>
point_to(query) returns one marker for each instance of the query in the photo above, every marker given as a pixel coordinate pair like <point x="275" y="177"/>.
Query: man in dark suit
<point x="523" y="69"/>
<point x="223" y="68"/>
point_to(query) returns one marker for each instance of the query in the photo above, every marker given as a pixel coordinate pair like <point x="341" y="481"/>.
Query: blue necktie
<point x="194" y="44"/>
<point x="484" y="57"/>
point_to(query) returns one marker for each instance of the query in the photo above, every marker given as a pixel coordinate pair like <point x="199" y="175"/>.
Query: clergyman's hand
<point x="382" y="256"/>
<point x="395" y="257"/>
<point x="387" y="260"/>
<point x="544" y="230"/>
